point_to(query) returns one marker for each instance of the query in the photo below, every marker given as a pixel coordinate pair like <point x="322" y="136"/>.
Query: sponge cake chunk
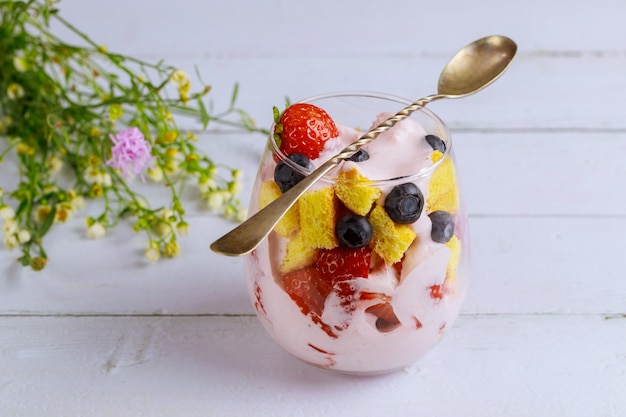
<point x="390" y="240"/>
<point x="355" y="193"/>
<point x="318" y="216"/>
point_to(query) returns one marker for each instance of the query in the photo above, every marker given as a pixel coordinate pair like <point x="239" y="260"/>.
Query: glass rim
<point x="377" y="95"/>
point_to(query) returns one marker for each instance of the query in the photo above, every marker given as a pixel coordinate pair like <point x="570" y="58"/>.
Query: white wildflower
<point x="165" y="224"/>
<point x="152" y="254"/>
<point x="172" y="166"/>
<point x="54" y="164"/>
<point x="96" y="231"/>
<point x="20" y="63"/>
<point x="172" y="249"/>
<point x="217" y="199"/>
<point x="6" y="212"/>
<point x="11" y="242"/>
<point x="78" y="202"/>
<point x="23" y="236"/>
<point x="180" y="78"/>
<point x="207" y="185"/>
<point x="155" y="174"/>
<point x="182" y="229"/>
<point x="15" y="91"/>
<point x="92" y="176"/>
<point x="105" y="179"/>
<point x="9" y="227"/>
<point x="235" y="187"/>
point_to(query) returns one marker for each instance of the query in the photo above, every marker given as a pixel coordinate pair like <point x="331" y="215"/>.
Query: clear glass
<point x="382" y="306"/>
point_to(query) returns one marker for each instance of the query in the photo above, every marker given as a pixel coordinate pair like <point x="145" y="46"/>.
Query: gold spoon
<point x="470" y="70"/>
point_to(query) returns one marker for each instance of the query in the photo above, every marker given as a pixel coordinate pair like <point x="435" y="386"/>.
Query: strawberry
<point x="307" y="289"/>
<point x="339" y="267"/>
<point x="333" y="271"/>
<point x="304" y="128"/>
<point x="342" y="263"/>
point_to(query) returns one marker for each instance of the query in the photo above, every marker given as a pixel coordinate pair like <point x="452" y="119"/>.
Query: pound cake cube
<point x="442" y="189"/>
<point x="290" y="223"/>
<point x="297" y="255"/>
<point x="455" y="255"/>
<point x="390" y="240"/>
<point x="318" y="216"/>
<point x="354" y="192"/>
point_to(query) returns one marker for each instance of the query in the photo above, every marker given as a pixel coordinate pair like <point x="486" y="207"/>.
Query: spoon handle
<point x="249" y="234"/>
<point x="372" y="134"/>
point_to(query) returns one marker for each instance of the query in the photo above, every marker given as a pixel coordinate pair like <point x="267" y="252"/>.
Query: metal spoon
<point x="470" y="70"/>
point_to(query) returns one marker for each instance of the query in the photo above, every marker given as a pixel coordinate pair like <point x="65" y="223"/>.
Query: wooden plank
<point x="539" y="93"/>
<point x="522" y="365"/>
<point x="364" y="28"/>
<point x="565" y="174"/>
<point x="521" y="265"/>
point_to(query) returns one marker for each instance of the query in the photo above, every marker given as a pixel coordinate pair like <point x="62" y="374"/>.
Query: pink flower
<point x="130" y="151"/>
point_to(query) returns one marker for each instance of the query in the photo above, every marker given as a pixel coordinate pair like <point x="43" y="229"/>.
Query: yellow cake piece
<point x="354" y="192"/>
<point x="297" y="255"/>
<point x="455" y="255"/>
<point x="389" y="240"/>
<point x="290" y="223"/>
<point x="318" y="213"/>
<point x="442" y="189"/>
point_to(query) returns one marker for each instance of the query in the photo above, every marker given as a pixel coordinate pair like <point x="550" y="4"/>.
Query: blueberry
<point x="443" y="226"/>
<point x="360" y="156"/>
<point x="353" y="231"/>
<point x="436" y="143"/>
<point x="285" y="176"/>
<point x="404" y="203"/>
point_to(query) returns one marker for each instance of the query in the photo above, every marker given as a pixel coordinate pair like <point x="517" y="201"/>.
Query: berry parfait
<point x="368" y="270"/>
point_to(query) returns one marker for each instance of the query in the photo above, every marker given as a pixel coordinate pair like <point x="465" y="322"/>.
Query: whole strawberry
<point x="304" y="128"/>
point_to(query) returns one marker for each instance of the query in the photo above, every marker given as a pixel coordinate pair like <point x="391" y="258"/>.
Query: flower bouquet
<point x="84" y="125"/>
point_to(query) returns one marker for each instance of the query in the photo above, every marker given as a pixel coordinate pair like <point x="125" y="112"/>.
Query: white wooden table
<point x="541" y="154"/>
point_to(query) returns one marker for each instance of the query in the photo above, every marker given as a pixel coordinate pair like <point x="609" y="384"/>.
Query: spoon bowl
<point x="470" y="70"/>
<point x="476" y="66"/>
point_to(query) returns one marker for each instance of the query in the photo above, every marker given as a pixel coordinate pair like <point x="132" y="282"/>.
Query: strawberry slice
<point x="342" y="263"/>
<point x="339" y="267"/>
<point x="304" y="128"/>
<point x="334" y="270"/>
<point x="307" y="289"/>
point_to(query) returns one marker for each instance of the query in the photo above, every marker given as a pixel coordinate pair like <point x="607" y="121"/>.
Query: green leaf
<point x="24" y="260"/>
<point x="233" y="98"/>
<point x="21" y="207"/>
<point x="197" y="71"/>
<point x="47" y="223"/>
<point x="205" y="118"/>
<point x="276" y="114"/>
<point x="277" y="139"/>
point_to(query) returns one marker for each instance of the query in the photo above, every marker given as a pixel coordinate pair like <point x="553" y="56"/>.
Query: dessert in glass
<point x="368" y="270"/>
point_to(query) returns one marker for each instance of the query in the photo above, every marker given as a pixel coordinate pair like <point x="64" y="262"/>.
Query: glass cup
<point x="368" y="271"/>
